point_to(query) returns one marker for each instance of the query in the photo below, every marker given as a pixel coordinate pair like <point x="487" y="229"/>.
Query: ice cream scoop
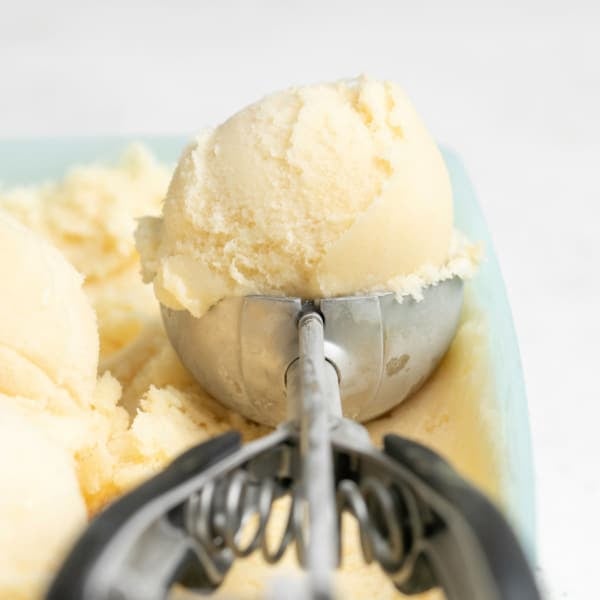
<point x="381" y="348"/>
<point x="325" y="190"/>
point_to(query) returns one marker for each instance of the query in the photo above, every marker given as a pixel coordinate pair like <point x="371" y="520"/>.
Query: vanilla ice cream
<point x="325" y="190"/>
<point x="48" y="332"/>
<point x="90" y="217"/>
<point x="41" y="506"/>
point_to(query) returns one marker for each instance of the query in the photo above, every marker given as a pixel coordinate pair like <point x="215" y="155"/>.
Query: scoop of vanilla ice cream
<point x="316" y="191"/>
<point x="48" y="334"/>
<point x="41" y="507"/>
<point x="89" y="215"/>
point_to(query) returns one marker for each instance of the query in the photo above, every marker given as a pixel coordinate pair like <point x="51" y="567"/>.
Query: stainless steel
<point x="387" y="501"/>
<point x="313" y="386"/>
<point x="382" y="349"/>
<point x="217" y="513"/>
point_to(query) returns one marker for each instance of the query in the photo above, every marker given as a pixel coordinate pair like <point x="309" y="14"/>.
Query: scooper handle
<point x="82" y="570"/>
<point x="473" y="553"/>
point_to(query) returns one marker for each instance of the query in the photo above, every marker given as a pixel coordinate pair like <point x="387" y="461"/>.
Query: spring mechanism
<point x="217" y="515"/>
<point x="389" y="519"/>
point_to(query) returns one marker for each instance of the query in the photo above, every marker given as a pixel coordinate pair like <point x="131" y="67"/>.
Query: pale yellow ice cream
<point x="129" y="423"/>
<point x="41" y="506"/>
<point x="317" y="191"/>
<point x="90" y="216"/>
<point x="48" y="373"/>
<point x="48" y="333"/>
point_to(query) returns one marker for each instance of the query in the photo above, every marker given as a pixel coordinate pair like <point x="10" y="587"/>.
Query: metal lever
<point x="418" y="519"/>
<point x="471" y="552"/>
<point x="140" y="545"/>
<point x="109" y="562"/>
<point x="313" y="396"/>
<point x="450" y="534"/>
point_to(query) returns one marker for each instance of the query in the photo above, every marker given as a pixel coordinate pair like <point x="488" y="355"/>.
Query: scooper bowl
<point x="383" y="349"/>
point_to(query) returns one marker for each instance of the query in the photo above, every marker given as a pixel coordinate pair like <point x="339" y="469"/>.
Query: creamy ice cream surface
<point x="41" y="506"/>
<point x="89" y="216"/>
<point x="325" y="190"/>
<point x="48" y="347"/>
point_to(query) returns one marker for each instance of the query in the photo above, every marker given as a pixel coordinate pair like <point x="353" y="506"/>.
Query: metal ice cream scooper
<point x="314" y="368"/>
<point x="381" y="349"/>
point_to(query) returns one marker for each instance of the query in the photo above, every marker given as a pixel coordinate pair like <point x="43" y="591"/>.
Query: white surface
<point x="515" y="88"/>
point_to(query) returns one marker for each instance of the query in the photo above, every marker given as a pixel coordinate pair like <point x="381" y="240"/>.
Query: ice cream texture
<point x="41" y="505"/>
<point x="89" y="216"/>
<point x="324" y="190"/>
<point x="87" y="428"/>
<point x="48" y="349"/>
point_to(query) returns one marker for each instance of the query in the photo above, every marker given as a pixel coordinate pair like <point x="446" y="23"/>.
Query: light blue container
<point x="33" y="161"/>
<point x="512" y="426"/>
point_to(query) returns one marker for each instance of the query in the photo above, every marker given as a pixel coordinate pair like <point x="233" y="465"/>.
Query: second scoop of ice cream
<point x="48" y="335"/>
<point x="319" y="191"/>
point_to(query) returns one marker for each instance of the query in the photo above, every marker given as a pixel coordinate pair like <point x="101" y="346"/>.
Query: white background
<point x="514" y="87"/>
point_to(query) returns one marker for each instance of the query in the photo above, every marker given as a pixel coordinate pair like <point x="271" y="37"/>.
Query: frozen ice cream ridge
<point x="326" y="190"/>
